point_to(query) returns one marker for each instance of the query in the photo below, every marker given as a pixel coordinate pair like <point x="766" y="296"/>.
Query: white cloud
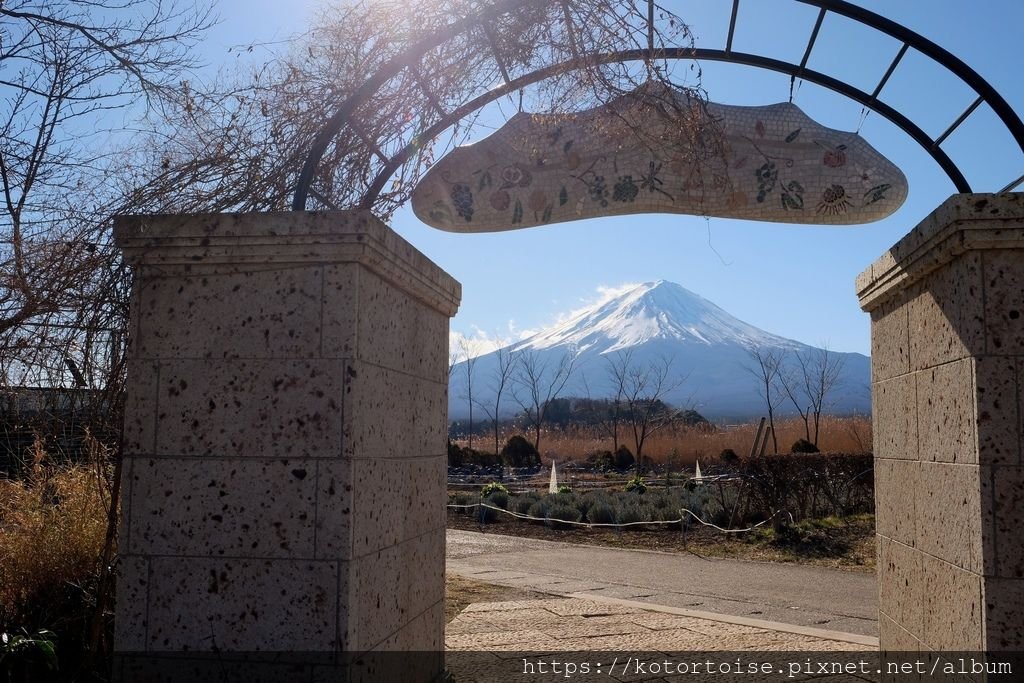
<point x="478" y="342"/>
<point x="518" y="334"/>
<point x="602" y="295"/>
<point x="607" y="293"/>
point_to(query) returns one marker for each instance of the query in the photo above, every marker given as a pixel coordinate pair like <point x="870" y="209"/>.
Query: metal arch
<point x="843" y="88"/>
<point x="909" y="38"/>
<point x="409" y="58"/>
<point x="939" y="54"/>
<point x="908" y="126"/>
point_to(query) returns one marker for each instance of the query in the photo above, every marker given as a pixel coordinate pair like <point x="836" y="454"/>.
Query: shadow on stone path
<point x="803" y="596"/>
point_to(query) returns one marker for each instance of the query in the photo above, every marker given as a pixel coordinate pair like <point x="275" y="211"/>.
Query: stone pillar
<point x="285" y="430"/>
<point x="947" y="359"/>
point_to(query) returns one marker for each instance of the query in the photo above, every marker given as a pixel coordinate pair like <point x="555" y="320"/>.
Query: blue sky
<point x="795" y="281"/>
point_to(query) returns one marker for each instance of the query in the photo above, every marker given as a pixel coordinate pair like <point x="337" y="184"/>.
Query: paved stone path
<point x="501" y="641"/>
<point x="798" y="595"/>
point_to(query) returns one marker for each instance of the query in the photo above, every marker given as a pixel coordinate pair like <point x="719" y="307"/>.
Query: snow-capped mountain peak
<point x="655" y="322"/>
<point x="653" y="310"/>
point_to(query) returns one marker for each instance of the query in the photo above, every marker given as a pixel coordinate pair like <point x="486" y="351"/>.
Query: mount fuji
<point x="662" y="320"/>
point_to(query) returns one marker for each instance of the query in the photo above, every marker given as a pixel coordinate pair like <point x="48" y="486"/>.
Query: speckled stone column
<point x="947" y="344"/>
<point x="285" y="429"/>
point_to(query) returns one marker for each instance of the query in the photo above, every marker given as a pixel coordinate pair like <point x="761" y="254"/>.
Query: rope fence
<point x="535" y="482"/>
<point x="650" y="482"/>
<point x="592" y="525"/>
<point x="734" y="501"/>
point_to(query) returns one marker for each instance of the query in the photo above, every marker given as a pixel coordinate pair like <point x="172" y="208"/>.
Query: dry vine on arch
<point x="243" y="146"/>
<point x="238" y="143"/>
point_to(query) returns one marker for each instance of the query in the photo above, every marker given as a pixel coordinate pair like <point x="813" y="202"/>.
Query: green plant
<point x="632" y="513"/>
<point x="486" y="514"/>
<point x="812" y="537"/>
<point x="636" y="485"/>
<point x="553" y="500"/>
<point x="522" y="504"/>
<point x="591" y="498"/>
<point x="564" y="513"/>
<point x="659" y="501"/>
<point x="601" y="513"/>
<point x="493" y="487"/>
<point x="664" y="514"/>
<point x="498" y="498"/>
<point x="463" y="498"/>
<point x="22" y="654"/>
<point x="539" y="510"/>
<point x="565" y="488"/>
<point x="694" y="501"/>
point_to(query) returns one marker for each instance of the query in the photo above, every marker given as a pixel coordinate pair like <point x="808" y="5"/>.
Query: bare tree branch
<point x="500" y="378"/>
<point x="765" y="366"/>
<point x="539" y="382"/>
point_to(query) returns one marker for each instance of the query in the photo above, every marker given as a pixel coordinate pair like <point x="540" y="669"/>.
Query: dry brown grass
<point x="686" y="445"/>
<point x="52" y="529"/>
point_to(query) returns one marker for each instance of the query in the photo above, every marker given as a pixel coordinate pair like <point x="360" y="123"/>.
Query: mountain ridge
<point x="653" y="321"/>
<point x="679" y="313"/>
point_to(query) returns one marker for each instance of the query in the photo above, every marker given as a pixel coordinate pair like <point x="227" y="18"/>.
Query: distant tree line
<point x="535" y="382"/>
<point x="575" y="411"/>
<point x="637" y="409"/>
<point x="594" y="411"/>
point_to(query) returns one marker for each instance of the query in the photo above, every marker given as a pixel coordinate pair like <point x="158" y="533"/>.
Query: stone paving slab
<point x="493" y="641"/>
<point x="788" y="593"/>
<point x="579" y="620"/>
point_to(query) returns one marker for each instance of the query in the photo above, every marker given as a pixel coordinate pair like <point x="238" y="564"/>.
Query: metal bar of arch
<point x="860" y="96"/>
<point x="410" y="58"/>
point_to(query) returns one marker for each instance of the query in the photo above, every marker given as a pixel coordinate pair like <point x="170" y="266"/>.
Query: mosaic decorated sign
<point x="656" y="151"/>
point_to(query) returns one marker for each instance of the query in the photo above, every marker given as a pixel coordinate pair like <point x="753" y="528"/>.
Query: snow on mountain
<point x="707" y="346"/>
<point x="659" y="310"/>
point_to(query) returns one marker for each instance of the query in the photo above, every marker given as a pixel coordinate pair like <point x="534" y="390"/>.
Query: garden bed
<point x="840" y="543"/>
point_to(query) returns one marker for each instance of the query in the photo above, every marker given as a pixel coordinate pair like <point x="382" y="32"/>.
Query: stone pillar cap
<point x="286" y="237"/>
<point x="962" y="223"/>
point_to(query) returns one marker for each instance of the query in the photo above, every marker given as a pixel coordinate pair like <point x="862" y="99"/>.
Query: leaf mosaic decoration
<point x="778" y="165"/>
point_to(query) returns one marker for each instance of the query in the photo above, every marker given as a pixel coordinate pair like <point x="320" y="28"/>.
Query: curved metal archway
<point x="909" y="39"/>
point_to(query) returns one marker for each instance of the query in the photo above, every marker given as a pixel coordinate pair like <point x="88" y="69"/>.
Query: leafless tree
<point x="241" y="147"/>
<point x="238" y="144"/>
<point x="791" y="383"/>
<point x="607" y="413"/>
<point x="821" y="376"/>
<point x="645" y="389"/>
<point x="808" y="382"/>
<point x="64" y="67"/>
<point x="453" y="360"/>
<point x="469" y="352"/>
<point x="500" y="378"/>
<point x="617" y="370"/>
<point x="538" y="380"/>
<point x="765" y="366"/>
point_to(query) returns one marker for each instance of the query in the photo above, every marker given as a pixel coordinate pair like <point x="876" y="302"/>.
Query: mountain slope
<point x="662" y="320"/>
<point x="654" y="310"/>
